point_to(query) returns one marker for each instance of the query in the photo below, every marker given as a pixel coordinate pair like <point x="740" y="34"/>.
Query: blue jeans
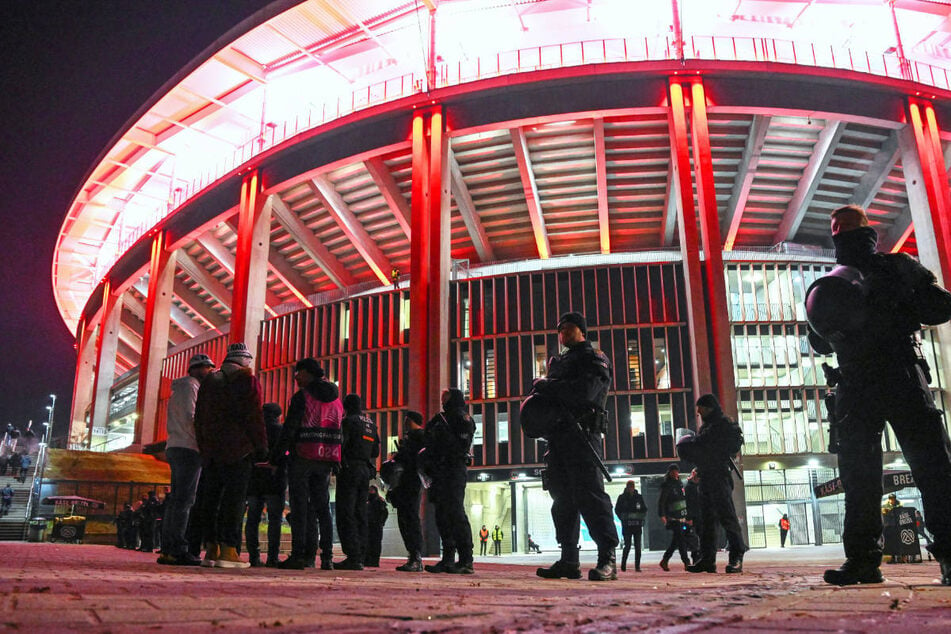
<point x="186" y="468"/>
<point x="308" y="490"/>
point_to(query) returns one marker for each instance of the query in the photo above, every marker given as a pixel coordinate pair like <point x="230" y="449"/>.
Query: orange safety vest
<point x="484" y="535"/>
<point x="784" y="524"/>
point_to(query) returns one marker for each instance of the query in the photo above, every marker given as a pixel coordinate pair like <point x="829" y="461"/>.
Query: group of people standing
<point x="230" y="452"/>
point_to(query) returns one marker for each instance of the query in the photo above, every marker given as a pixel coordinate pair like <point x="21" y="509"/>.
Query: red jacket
<point x="229" y="423"/>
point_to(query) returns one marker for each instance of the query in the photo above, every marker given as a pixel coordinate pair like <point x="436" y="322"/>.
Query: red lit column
<point x="429" y="263"/>
<point x="429" y="279"/>
<point x="689" y="240"/>
<point x="250" y="268"/>
<point x="107" y="343"/>
<point x="721" y="349"/>
<point x="158" y="308"/>
<point x="82" y="384"/>
<point x="932" y="232"/>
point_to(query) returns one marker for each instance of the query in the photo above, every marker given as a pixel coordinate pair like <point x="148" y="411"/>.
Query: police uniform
<point x="580" y="378"/>
<point x="376" y="520"/>
<point x="883" y="378"/>
<point x="717" y="441"/>
<point x="672" y="506"/>
<point x="448" y="437"/>
<point x="361" y="445"/>
<point x="630" y="508"/>
<point x="405" y="498"/>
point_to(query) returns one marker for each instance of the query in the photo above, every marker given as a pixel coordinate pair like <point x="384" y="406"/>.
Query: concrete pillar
<point x="927" y="188"/>
<point x="689" y="240"/>
<point x="158" y="309"/>
<point x="250" y="269"/>
<point x="721" y="348"/>
<point x="429" y="279"/>
<point x="107" y="343"/>
<point x="429" y="263"/>
<point x="82" y="384"/>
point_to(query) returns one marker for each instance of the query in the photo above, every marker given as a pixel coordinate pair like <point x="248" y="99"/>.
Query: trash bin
<point x="37" y="529"/>
<point x="71" y="528"/>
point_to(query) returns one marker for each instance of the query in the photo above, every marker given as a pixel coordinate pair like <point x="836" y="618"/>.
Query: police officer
<point x="631" y="509"/>
<point x="672" y="509"/>
<point x="579" y="378"/>
<point x="404" y="495"/>
<point x="884" y="378"/>
<point x="717" y="441"/>
<point x="361" y="446"/>
<point x="448" y="437"/>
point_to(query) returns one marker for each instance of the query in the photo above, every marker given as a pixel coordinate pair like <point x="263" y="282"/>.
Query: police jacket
<point x="361" y="442"/>
<point x="672" y="502"/>
<point x="580" y="378"/>
<point x="630" y="508"/>
<point x="449" y="435"/>
<point x="900" y="295"/>
<point x="718" y="440"/>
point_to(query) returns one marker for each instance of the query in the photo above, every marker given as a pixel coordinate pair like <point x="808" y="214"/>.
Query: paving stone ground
<point x="63" y="587"/>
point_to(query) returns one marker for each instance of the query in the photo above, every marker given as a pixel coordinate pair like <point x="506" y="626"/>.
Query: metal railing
<point x="536" y="58"/>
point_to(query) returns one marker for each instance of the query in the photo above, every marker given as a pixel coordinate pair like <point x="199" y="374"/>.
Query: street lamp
<point x="49" y="421"/>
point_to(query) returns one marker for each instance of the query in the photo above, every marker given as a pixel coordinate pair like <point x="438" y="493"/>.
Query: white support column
<point x="82" y="384"/>
<point x="107" y="344"/>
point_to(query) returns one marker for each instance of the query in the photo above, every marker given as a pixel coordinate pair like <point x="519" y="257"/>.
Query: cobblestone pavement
<point x="63" y="587"/>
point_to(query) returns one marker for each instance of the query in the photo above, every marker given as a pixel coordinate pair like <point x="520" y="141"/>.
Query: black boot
<point x="560" y="570"/>
<point x="736" y="563"/>
<point x="606" y="570"/>
<point x="444" y="564"/>
<point x="945" y="563"/>
<point x="413" y="564"/>
<point x="623" y="563"/>
<point x="853" y="572"/>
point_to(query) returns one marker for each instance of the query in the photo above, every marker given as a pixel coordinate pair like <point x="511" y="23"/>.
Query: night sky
<point x="74" y="72"/>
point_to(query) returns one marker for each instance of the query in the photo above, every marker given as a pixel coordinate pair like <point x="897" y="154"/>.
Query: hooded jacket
<point x="229" y="424"/>
<point x="312" y="425"/>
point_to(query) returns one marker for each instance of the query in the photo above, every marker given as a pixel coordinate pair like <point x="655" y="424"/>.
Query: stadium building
<point x="413" y="191"/>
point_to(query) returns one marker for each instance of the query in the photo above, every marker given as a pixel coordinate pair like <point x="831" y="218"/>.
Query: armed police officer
<point x="712" y="450"/>
<point x="578" y="381"/>
<point x="405" y="489"/>
<point x="447" y="438"/>
<point x="886" y="297"/>
<point x="359" y="450"/>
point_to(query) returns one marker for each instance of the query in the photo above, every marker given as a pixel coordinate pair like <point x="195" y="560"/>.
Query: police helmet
<point x="835" y="303"/>
<point x="539" y="415"/>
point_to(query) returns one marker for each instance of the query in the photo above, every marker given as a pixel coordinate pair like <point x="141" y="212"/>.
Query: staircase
<point x="13" y="525"/>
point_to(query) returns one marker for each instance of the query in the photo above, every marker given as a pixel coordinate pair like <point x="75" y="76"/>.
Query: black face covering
<point x="455" y="401"/>
<point x="856" y="247"/>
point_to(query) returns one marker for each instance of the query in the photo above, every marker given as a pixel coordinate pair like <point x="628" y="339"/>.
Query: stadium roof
<point x="293" y="68"/>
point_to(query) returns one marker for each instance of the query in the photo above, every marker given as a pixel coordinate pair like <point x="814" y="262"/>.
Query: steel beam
<point x="821" y="156"/>
<point x="350" y="225"/>
<point x="314" y="248"/>
<point x="877" y="173"/>
<point x="669" y="223"/>
<point x="752" y="152"/>
<point x="467" y="209"/>
<point x="208" y="283"/>
<point x="390" y="191"/>
<point x="193" y="301"/>
<point x="530" y="188"/>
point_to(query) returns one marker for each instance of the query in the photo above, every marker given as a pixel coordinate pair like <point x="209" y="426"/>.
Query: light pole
<point x="49" y="421"/>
